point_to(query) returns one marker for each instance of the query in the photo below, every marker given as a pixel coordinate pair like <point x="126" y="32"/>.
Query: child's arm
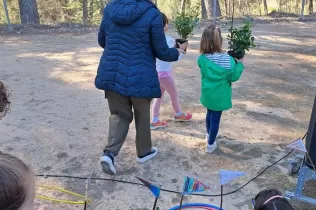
<point x="237" y="70"/>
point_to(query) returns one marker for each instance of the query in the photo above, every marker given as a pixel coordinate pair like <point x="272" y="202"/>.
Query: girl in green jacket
<point x="218" y="70"/>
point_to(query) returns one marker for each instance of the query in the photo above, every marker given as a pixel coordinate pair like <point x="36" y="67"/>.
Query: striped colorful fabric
<point x="192" y="185"/>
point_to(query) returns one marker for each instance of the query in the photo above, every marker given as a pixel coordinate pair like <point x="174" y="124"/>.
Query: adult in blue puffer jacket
<point x="132" y="36"/>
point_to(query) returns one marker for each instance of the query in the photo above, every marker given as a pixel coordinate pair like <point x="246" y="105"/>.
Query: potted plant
<point x="240" y="40"/>
<point x="184" y="25"/>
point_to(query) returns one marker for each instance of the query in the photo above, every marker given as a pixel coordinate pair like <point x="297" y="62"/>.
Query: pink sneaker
<point x="157" y="125"/>
<point x="183" y="117"/>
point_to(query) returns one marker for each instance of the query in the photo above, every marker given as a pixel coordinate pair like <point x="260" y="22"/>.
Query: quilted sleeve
<point x="158" y="40"/>
<point x="101" y="34"/>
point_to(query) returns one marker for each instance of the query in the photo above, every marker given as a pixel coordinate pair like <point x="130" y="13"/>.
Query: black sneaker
<point x="152" y="154"/>
<point x="107" y="163"/>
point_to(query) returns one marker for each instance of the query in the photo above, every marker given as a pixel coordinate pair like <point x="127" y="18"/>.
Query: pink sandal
<point x="183" y="117"/>
<point x="157" y="125"/>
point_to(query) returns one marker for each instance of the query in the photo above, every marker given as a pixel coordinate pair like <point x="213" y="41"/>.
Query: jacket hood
<point x="126" y="12"/>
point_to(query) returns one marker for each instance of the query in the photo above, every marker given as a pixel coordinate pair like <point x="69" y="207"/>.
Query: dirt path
<point x="59" y="121"/>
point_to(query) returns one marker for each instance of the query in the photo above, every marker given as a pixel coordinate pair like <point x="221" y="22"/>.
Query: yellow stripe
<point x="86" y="199"/>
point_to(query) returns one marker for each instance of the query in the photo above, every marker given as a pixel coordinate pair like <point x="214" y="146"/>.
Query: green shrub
<point x="185" y="25"/>
<point x="241" y="39"/>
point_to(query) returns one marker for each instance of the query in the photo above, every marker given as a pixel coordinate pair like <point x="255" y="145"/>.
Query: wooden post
<point x="7" y="15"/>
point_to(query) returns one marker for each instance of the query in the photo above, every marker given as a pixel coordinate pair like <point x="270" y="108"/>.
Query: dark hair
<point x="211" y="40"/>
<point x="4" y="102"/>
<point x="17" y="183"/>
<point x="278" y="203"/>
<point x="165" y="20"/>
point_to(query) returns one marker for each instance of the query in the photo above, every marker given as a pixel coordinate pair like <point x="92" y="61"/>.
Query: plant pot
<point x="237" y="55"/>
<point x="181" y="41"/>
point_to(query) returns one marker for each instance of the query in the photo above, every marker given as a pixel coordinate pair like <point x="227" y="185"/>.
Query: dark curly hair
<point x="4" y="101"/>
<point x="17" y="183"/>
<point x="271" y="200"/>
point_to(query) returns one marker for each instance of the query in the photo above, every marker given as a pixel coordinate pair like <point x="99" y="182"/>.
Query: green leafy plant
<point x="240" y="40"/>
<point x="185" y="24"/>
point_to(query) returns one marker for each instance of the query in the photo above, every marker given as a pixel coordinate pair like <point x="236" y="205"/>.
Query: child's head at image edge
<point x="271" y="200"/>
<point x="4" y="102"/>
<point x="17" y="184"/>
<point x="211" y="40"/>
<point x="165" y="21"/>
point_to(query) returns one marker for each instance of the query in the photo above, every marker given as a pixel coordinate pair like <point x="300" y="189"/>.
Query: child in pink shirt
<point x="164" y="70"/>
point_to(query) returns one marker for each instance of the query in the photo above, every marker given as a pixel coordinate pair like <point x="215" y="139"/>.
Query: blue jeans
<point x="213" y="119"/>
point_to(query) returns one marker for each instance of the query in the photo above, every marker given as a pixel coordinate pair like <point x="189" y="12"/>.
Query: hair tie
<point x="272" y="198"/>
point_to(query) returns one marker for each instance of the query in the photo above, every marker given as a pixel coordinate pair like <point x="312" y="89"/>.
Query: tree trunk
<point x="265" y="6"/>
<point x="204" y="9"/>
<point x="85" y="12"/>
<point x="311" y="7"/>
<point x="7" y="15"/>
<point x="102" y="5"/>
<point x="259" y="6"/>
<point x="297" y="6"/>
<point x="182" y="9"/>
<point x="218" y="9"/>
<point x="229" y="9"/>
<point x="241" y="7"/>
<point x="91" y="11"/>
<point x="209" y="11"/>
<point x="302" y="8"/>
<point x="29" y="12"/>
<point x="280" y="6"/>
<point x="226" y="8"/>
<point x="248" y="7"/>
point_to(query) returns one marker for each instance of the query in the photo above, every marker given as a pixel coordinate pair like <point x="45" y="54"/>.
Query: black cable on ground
<point x="167" y="190"/>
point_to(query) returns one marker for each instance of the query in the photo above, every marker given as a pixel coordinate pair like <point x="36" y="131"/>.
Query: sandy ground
<point x="59" y="120"/>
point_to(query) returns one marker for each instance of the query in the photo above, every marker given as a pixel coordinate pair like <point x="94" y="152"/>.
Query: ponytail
<point x="218" y="41"/>
<point x="211" y="40"/>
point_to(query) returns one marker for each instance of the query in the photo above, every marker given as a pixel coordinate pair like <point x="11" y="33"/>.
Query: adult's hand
<point x="183" y="46"/>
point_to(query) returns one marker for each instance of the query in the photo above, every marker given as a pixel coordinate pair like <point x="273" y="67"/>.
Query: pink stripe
<point x="272" y="198"/>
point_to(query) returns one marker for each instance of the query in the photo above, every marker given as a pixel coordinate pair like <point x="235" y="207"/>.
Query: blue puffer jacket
<point x="132" y="36"/>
